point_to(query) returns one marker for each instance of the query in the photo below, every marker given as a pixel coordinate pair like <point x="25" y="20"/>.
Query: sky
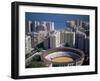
<point x="58" y="19"/>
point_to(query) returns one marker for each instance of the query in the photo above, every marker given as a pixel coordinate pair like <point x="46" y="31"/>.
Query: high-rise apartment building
<point x="38" y="37"/>
<point x="71" y="23"/>
<point x="50" y="26"/>
<point x="28" y="47"/>
<point x="55" y="39"/>
<point x="36" y="26"/>
<point x="69" y="38"/>
<point x="46" y="43"/>
<point x="80" y="40"/>
<point x="34" y="39"/>
<point x="86" y="48"/>
<point x="62" y="37"/>
<point x="74" y="25"/>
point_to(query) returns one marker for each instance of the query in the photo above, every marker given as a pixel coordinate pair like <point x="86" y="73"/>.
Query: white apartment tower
<point x="50" y="26"/>
<point x="29" y="26"/>
<point x="55" y="40"/>
<point x="27" y="44"/>
<point x="35" y="26"/>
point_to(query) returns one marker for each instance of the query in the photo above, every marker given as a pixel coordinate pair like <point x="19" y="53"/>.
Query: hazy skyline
<point x="58" y="19"/>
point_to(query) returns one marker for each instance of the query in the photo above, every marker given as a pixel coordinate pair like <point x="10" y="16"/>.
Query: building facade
<point x="62" y="37"/>
<point x="50" y="26"/>
<point x="69" y="38"/>
<point x="36" y="26"/>
<point x="28" y="47"/>
<point x="34" y="39"/>
<point x="46" y="43"/>
<point x="86" y="48"/>
<point x="80" y="40"/>
<point x="38" y="37"/>
<point x="55" y="39"/>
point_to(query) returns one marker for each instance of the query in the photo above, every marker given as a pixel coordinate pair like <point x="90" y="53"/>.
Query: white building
<point x="29" y="26"/>
<point x="55" y="39"/>
<point x="50" y="26"/>
<point x="35" y="26"/>
<point x="69" y="38"/>
<point x="27" y="44"/>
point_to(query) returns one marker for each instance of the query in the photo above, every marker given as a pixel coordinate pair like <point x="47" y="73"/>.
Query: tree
<point x="38" y="49"/>
<point x="36" y="58"/>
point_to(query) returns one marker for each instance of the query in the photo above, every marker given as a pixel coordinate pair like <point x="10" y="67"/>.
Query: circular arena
<point x="64" y="56"/>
